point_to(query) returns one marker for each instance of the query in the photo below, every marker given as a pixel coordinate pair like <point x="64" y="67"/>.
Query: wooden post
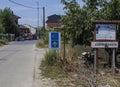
<point x="95" y="56"/>
<point x="97" y="60"/>
<point x="113" y="62"/>
<point x="64" y="60"/>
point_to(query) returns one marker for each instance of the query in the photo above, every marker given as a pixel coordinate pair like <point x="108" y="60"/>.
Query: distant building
<point x="32" y="29"/>
<point x="14" y="34"/>
<point x="27" y="31"/>
<point x="15" y="18"/>
<point x="54" y="21"/>
<point x="15" y="21"/>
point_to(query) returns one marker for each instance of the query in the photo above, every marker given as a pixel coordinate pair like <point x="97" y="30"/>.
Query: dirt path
<point x="38" y="79"/>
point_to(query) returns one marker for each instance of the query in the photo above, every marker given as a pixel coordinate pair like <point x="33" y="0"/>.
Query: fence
<point x="9" y="37"/>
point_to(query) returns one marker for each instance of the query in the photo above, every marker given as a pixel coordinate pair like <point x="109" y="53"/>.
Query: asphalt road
<point x="17" y="64"/>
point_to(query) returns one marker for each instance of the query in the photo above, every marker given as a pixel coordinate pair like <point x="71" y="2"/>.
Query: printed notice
<point x="105" y="31"/>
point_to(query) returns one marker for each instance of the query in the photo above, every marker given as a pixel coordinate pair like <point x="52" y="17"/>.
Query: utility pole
<point x="44" y="19"/>
<point x="38" y="31"/>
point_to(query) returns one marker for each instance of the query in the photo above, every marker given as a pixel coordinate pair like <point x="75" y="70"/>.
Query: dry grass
<point x="41" y="44"/>
<point x="77" y="73"/>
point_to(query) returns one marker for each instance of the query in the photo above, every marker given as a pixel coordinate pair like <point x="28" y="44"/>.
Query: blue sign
<point x="54" y="40"/>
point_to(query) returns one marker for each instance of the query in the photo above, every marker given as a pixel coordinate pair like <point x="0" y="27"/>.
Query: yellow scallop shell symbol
<point x="54" y="44"/>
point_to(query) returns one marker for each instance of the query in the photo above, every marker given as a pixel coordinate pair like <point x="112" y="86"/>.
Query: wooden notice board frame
<point x="96" y="61"/>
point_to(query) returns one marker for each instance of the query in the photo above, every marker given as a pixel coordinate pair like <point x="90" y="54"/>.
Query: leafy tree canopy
<point x="7" y="20"/>
<point x="78" y="21"/>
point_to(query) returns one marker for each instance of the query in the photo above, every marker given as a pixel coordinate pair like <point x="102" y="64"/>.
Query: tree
<point x="7" y="20"/>
<point x="2" y="30"/>
<point x="72" y="21"/>
<point x="110" y="10"/>
<point x="113" y="13"/>
<point x="107" y="10"/>
<point x="78" y="21"/>
<point x="89" y="14"/>
<point x="92" y="4"/>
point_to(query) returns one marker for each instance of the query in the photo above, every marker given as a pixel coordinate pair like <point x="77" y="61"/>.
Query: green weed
<point x="41" y="44"/>
<point x="50" y="58"/>
<point x="50" y="66"/>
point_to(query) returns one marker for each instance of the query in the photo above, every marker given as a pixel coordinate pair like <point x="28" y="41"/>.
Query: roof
<point x="107" y="21"/>
<point x="22" y="26"/>
<point x="17" y="17"/>
<point x="53" y="18"/>
<point x="32" y="29"/>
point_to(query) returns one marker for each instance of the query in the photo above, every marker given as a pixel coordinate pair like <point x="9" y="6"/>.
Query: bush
<point x="3" y="42"/>
<point x="46" y="38"/>
<point x="41" y="44"/>
<point x="50" y="58"/>
<point x="50" y="66"/>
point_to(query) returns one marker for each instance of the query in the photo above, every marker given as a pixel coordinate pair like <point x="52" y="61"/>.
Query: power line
<point x="33" y="8"/>
<point x="23" y="5"/>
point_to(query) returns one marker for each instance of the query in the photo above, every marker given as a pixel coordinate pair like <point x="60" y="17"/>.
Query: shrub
<point x="46" y="38"/>
<point x="3" y="42"/>
<point x="50" y="66"/>
<point x="41" y="44"/>
<point x="50" y="58"/>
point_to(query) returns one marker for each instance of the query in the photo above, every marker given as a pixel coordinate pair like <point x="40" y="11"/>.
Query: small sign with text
<point x="104" y="44"/>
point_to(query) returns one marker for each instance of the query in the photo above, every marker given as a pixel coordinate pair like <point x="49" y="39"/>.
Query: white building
<point x="32" y="29"/>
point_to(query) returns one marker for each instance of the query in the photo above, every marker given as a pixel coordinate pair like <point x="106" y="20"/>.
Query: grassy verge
<point x="51" y="67"/>
<point x="41" y="44"/>
<point x="3" y="42"/>
<point x="74" y="72"/>
<point x="53" y="72"/>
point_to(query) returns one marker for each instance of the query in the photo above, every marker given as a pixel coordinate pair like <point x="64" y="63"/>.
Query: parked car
<point x="20" y="38"/>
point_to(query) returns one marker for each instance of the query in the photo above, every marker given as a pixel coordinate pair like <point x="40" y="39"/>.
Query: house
<point x="15" y="21"/>
<point x="15" y="30"/>
<point x="54" y="21"/>
<point x="27" y="31"/>
<point x="15" y="18"/>
<point x="32" y="29"/>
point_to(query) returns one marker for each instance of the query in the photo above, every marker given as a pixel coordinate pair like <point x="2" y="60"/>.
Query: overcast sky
<point x="29" y="15"/>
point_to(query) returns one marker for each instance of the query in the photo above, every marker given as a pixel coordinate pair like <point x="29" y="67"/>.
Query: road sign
<point x="54" y="40"/>
<point x="104" y="44"/>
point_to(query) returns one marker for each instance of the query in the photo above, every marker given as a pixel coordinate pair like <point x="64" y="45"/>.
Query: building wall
<point x="54" y="25"/>
<point x="32" y="29"/>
